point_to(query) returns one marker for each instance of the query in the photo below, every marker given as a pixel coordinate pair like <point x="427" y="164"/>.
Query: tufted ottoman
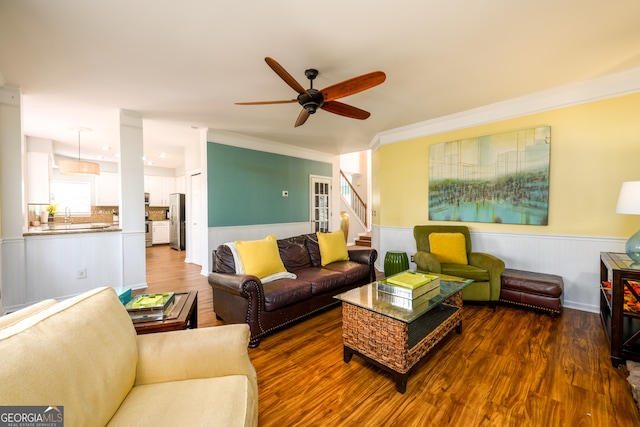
<point x="536" y="290"/>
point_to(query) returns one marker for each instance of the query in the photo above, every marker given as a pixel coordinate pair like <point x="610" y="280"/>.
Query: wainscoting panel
<point x="575" y="258"/>
<point x="13" y="293"/>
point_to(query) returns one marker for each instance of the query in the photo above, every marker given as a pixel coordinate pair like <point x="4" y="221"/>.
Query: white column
<point x="12" y="158"/>
<point x="204" y="249"/>
<point x="132" y="200"/>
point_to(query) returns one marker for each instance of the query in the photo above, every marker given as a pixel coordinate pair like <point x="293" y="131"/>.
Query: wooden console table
<point x="622" y="326"/>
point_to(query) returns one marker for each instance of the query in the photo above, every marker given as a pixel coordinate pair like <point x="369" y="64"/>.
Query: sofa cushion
<point x="225" y="262"/>
<point x="284" y="292"/>
<point x="294" y="253"/>
<point x="16" y="316"/>
<point x="260" y="258"/>
<point x="321" y="279"/>
<point x="450" y="248"/>
<point x="189" y="403"/>
<point x="80" y="353"/>
<point x="311" y="241"/>
<point x="333" y="247"/>
<point x="352" y="271"/>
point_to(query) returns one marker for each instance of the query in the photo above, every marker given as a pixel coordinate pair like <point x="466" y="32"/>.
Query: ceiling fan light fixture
<point x="78" y="167"/>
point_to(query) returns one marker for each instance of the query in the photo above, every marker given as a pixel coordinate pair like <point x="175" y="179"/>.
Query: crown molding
<point x="259" y="144"/>
<point x="609" y="86"/>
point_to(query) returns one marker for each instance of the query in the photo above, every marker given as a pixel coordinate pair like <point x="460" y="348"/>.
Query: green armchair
<point x="483" y="268"/>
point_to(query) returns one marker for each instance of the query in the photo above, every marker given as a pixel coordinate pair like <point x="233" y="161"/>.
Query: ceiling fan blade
<point x="288" y="101"/>
<point x="345" y="110"/>
<point x="284" y="75"/>
<point x="302" y="117"/>
<point x="353" y="85"/>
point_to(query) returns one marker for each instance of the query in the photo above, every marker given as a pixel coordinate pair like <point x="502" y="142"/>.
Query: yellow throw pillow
<point x="333" y="247"/>
<point x="449" y="248"/>
<point x="260" y="258"/>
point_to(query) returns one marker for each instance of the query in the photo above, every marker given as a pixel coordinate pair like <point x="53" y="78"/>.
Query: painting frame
<point x="497" y="178"/>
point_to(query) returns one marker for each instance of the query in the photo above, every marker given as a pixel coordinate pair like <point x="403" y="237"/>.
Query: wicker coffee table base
<point x="393" y="345"/>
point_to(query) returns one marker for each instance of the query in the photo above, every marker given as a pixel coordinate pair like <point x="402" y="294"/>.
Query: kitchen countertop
<point x="45" y="230"/>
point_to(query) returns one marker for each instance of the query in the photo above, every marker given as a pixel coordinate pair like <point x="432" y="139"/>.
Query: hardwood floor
<point x="509" y="367"/>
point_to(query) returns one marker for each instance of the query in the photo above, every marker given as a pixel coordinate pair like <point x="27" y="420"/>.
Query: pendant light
<point x="73" y="167"/>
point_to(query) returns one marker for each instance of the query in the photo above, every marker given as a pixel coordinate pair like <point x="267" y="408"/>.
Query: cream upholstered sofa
<point x="83" y="355"/>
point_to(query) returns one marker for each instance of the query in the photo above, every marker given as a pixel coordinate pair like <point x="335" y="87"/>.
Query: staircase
<point x="364" y="239"/>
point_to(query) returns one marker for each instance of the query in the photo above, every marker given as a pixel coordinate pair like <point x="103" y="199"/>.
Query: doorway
<point x="320" y="203"/>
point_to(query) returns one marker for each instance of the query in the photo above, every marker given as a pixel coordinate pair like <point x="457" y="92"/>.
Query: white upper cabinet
<point x="159" y="188"/>
<point x="107" y="189"/>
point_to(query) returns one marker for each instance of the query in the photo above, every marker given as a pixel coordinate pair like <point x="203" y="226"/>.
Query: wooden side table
<point x="184" y="315"/>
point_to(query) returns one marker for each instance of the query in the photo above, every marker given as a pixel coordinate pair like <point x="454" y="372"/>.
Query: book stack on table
<point x="149" y="307"/>
<point x="411" y="285"/>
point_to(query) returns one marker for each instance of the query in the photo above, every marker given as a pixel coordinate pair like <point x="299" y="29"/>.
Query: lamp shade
<point x="76" y="167"/>
<point x="629" y="198"/>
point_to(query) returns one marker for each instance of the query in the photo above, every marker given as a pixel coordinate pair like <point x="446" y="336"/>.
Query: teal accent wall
<point x="245" y="186"/>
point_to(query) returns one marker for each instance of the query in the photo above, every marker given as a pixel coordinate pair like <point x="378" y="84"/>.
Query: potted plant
<point x="52" y="208"/>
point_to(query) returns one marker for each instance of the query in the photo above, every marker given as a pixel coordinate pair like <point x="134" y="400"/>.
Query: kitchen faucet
<point x="67" y="213"/>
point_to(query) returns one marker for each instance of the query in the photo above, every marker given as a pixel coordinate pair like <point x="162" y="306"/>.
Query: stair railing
<point x="353" y="199"/>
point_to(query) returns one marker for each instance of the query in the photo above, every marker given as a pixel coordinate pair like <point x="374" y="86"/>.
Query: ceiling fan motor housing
<point x="311" y="103"/>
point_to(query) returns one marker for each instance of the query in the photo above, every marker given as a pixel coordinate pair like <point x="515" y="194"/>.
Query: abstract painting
<point x="500" y="178"/>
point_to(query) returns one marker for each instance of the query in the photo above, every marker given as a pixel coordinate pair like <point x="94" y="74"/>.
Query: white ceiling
<point x="183" y="64"/>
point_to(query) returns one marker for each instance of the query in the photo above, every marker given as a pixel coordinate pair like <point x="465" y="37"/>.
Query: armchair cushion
<point x="466" y="271"/>
<point x="449" y="248"/>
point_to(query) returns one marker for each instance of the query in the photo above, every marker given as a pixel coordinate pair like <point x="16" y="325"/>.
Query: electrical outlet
<point x="82" y="273"/>
<point x="412" y="258"/>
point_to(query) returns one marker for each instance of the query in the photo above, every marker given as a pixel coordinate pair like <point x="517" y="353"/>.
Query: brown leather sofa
<point x="266" y="307"/>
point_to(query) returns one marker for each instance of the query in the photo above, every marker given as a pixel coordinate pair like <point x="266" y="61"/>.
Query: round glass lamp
<point x="629" y="203"/>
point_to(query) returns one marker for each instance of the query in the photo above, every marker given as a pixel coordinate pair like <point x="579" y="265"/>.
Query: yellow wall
<point x="594" y="148"/>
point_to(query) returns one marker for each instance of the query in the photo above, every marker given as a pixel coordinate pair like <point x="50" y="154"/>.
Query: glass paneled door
<point x="320" y="203"/>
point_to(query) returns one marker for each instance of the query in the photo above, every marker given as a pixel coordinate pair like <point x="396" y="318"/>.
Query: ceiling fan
<point x="311" y="99"/>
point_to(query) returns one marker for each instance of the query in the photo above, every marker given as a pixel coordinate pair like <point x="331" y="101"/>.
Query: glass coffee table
<point x="394" y="333"/>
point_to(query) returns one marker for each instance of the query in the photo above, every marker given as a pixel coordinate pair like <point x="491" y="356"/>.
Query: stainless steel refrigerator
<point x="176" y="221"/>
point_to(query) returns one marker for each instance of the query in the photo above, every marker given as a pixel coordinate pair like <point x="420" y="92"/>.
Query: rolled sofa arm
<point x="363" y="256"/>
<point x="366" y="256"/>
<point x="237" y="284"/>
<point x="494" y="265"/>
<point x="425" y="261"/>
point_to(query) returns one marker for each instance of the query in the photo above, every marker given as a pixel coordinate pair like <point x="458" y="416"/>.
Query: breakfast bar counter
<point x="93" y="227"/>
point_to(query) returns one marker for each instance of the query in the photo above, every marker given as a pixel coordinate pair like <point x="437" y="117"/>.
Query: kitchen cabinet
<point x="38" y="178"/>
<point x="180" y="185"/>
<point x="160" y="232"/>
<point x="107" y="189"/>
<point x="159" y="188"/>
